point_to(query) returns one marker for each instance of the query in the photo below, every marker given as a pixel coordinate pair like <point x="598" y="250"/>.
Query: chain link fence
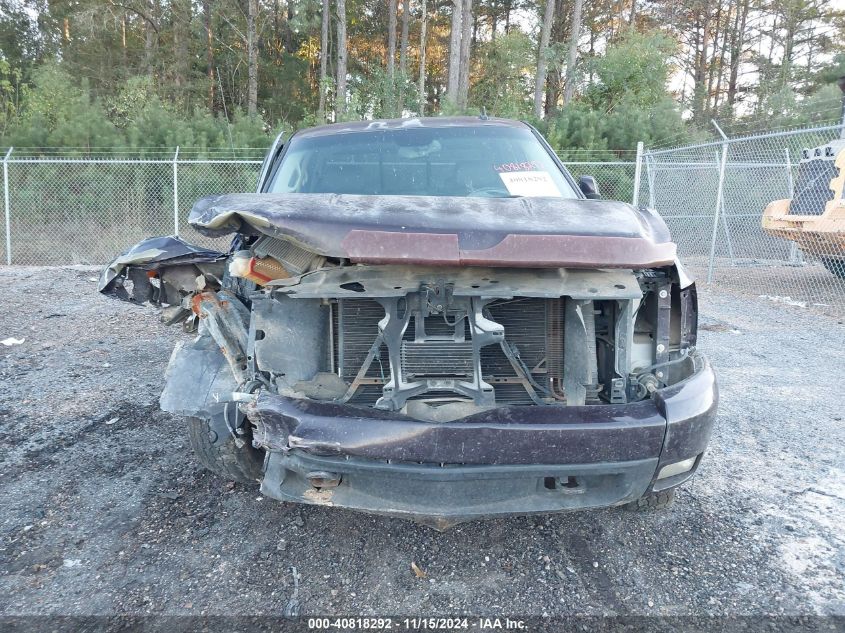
<point x="85" y="211"/>
<point x="614" y="178"/>
<point x="713" y="197"/>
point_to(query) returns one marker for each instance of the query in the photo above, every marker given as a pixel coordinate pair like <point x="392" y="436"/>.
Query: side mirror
<point x="589" y="187"/>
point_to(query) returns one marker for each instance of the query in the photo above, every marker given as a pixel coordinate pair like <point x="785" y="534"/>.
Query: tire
<point x="835" y="266"/>
<point x="652" y="501"/>
<point x="244" y="464"/>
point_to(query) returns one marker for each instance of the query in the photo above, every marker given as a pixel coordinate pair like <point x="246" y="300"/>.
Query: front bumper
<point x="509" y="460"/>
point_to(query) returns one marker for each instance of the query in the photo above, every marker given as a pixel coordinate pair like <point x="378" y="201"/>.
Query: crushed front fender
<point x="198" y="381"/>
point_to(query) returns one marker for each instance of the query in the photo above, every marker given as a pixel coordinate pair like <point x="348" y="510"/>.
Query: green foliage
<point x="284" y="90"/>
<point x="784" y="109"/>
<point x="143" y="76"/>
<point x="831" y="72"/>
<point x="505" y="76"/>
<point x="60" y="113"/>
<point x="375" y="95"/>
<point x="577" y="126"/>
<point x="156" y="125"/>
<point x="12" y="93"/>
<point x="131" y="98"/>
<point x="626" y="104"/>
<point x="634" y="71"/>
<point x="447" y="108"/>
<point x="20" y="43"/>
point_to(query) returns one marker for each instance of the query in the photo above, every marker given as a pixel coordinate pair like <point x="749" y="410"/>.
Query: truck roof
<point x="409" y="123"/>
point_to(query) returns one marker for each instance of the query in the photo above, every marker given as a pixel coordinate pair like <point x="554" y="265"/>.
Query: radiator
<point x="533" y="329"/>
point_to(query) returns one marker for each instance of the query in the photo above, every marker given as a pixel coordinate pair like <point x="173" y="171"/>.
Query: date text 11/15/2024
<point x="416" y="624"/>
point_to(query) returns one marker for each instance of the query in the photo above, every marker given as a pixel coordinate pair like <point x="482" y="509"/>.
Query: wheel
<point x="835" y="265"/>
<point x="221" y="455"/>
<point x="652" y="501"/>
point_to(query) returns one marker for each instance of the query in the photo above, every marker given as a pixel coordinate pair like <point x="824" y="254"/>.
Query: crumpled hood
<point x="528" y="232"/>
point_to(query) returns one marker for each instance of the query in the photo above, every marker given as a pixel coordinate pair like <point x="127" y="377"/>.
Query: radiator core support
<point x="447" y="347"/>
<point x="455" y="311"/>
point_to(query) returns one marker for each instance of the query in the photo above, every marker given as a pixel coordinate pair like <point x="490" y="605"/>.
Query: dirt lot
<point x="105" y="510"/>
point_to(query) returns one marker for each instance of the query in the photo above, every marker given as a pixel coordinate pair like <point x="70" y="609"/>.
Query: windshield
<point x="476" y="161"/>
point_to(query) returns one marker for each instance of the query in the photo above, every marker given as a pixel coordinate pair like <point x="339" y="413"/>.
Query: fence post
<point x="176" y="193"/>
<point x="720" y="193"/>
<point x="8" y="209"/>
<point x="723" y="216"/>
<point x="841" y="83"/>
<point x="638" y="171"/>
<point x="794" y="254"/>
<point x="649" y="171"/>
<point x="790" y="183"/>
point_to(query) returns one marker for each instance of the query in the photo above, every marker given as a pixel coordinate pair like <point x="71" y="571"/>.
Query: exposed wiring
<point x="238" y="441"/>
<point x="457" y="319"/>
<point x="381" y="366"/>
<point x="648" y="370"/>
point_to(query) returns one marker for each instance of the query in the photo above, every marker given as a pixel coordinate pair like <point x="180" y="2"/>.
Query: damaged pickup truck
<point x="431" y="319"/>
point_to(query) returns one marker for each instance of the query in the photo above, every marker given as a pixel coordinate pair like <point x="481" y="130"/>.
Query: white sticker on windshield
<point x="530" y="184"/>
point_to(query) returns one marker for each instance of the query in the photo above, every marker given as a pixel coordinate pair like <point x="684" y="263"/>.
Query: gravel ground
<point x="106" y="512"/>
<point x="807" y="285"/>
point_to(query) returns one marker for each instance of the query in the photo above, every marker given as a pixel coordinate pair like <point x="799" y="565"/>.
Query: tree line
<point x="597" y="74"/>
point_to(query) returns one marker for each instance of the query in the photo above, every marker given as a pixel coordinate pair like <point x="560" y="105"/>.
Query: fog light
<point x="677" y="468"/>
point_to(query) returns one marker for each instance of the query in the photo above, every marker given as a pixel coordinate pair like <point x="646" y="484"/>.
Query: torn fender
<point x="154" y="253"/>
<point x="198" y="380"/>
<point x="226" y="319"/>
<point x="440" y="230"/>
